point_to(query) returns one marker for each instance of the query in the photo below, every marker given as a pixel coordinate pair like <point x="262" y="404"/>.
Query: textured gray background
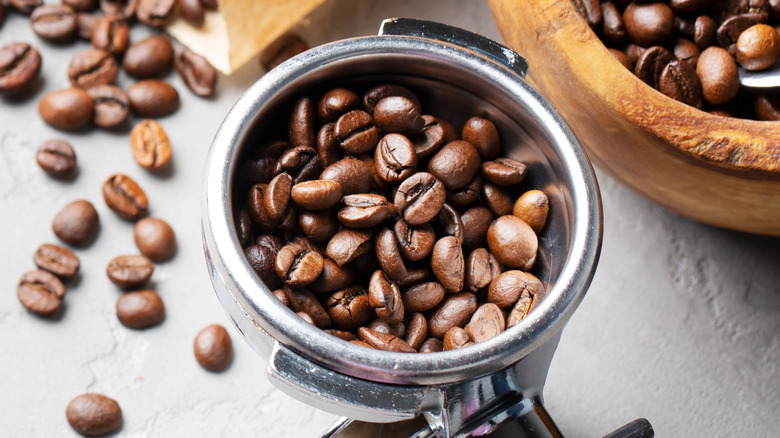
<point x="681" y="324"/>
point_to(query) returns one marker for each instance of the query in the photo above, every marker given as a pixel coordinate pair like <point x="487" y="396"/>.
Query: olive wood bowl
<point x="717" y="170"/>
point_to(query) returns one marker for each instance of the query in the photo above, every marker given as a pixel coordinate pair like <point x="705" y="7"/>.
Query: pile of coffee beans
<point x="689" y="49"/>
<point x="389" y="228"/>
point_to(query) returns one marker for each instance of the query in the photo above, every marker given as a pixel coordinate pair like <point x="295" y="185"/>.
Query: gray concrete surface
<point x="681" y="324"/>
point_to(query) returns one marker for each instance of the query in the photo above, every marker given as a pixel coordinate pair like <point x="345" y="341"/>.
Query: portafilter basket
<point x="468" y="392"/>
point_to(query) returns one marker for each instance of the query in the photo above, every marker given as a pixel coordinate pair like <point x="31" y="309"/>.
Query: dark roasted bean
<point x="318" y="226"/>
<point x="455" y="311"/>
<point x="476" y="221"/>
<point x="320" y="194"/>
<point x="375" y="94"/>
<point x="417" y="330"/>
<point x="304" y="301"/>
<point x="153" y="98"/>
<point x="423" y="297"/>
<point x="414" y="242"/>
<point x="679" y="81"/>
<point x="348" y="245"/>
<point x="352" y="174"/>
<point x="363" y="210"/>
<point x="482" y="268"/>
<point x="456" y="338"/>
<point x="456" y="164"/>
<point x="192" y="12"/>
<point x="448" y="264"/>
<point x="434" y="134"/>
<point x="301" y="129"/>
<point x="394" y="158"/>
<point x="464" y="196"/>
<point x="397" y="114"/>
<point x="504" y="171"/>
<point x="355" y="132"/>
<point x="335" y="103"/>
<point x="483" y="135"/>
<point x="333" y="277"/>
<point x="297" y="265"/>
<point x="148" y="58"/>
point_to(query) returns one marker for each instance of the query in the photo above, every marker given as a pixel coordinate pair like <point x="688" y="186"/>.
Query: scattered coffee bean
<point x="111" y="106"/>
<point x="94" y="414"/>
<point x="125" y="197"/>
<point x="140" y="309"/>
<point x="24" y="6"/>
<point x="67" y="109"/>
<point x="92" y="67"/>
<point x="56" y="23"/>
<point x="112" y="34"/>
<point x="155" y="13"/>
<point x="81" y="5"/>
<point x="57" y="260"/>
<point x="130" y="271"/>
<point x="123" y="8"/>
<point x="76" y="223"/>
<point x="150" y="57"/>
<point x="154" y="238"/>
<point x="150" y="145"/>
<point x="196" y="72"/>
<point x="40" y="292"/>
<point x="56" y="157"/>
<point x="153" y="98"/>
<point x="282" y="49"/>
<point x="192" y="12"/>
<point x="86" y="23"/>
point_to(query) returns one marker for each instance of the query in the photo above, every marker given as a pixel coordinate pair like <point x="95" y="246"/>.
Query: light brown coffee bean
<point x="504" y="171"/>
<point x="140" y="309"/>
<point x="718" y="73"/>
<point x="57" y="260"/>
<point x="320" y="194"/>
<point x="423" y="297"/>
<point x="481" y="268"/>
<point x="456" y="338"/>
<point x="483" y="135"/>
<point x="349" y="308"/>
<point x="153" y="98"/>
<point x="530" y="298"/>
<point x="352" y="174"/>
<point x="155" y="238"/>
<point x="455" y="311"/>
<point x="507" y="288"/>
<point x="341" y="334"/>
<point x="150" y="145"/>
<point x="68" y="109"/>
<point x="76" y="223"/>
<point x="213" y="348"/>
<point x="758" y="47"/>
<point x="384" y="341"/>
<point x="297" y="265"/>
<point x="486" y="323"/>
<point x="94" y="414"/>
<point x="130" y="271"/>
<point x="532" y="207"/>
<point x="40" y="292"/>
<point x="513" y="242"/>
<point x="431" y="345"/>
<point x="363" y="210"/>
<point x="447" y="264"/>
<point x="125" y="197"/>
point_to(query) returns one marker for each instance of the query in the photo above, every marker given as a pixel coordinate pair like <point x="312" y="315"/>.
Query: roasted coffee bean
<point x="40" y="292"/>
<point x="419" y="198"/>
<point x="394" y="158"/>
<point x="341" y="334"/>
<point x="361" y="343"/>
<point x="613" y="32"/>
<point x="448" y="264"/>
<point x="318" y="226"/>
<point x="297" y="266"/>
<point x="56" y="157"/>
<point x="591" y="11"/>
<point x="375" y="94"/>
<point x="57" y="260"/>
<point x="111" y="106"/>
<point x="155" y="238"/>
<point x="513" y="242"/>
<point x="481" y="268"/>
<point x="718" y="73"/>
<point x="431" y="345"/>
<point x="385" y="298"/>
<point x="92" y="67"/>
<point x="196" y="72"/>
<point x="253" y="171"/>
<point x="685" y="50"/>
<point x="304" y="301"/>
<point x="262" y="259"/>
<point x="456" y="164"/>
<point x="384" y="341"/>
<point x="150" y="57"/>
<point x="328" y="150"/>
<point x="414" y="242"/>
<point x="415" y="276"/>
<point x="55" y="23"/>
<point x="244" y="228"/>
<point x="277" y="196"/>
<point x="449" y="223"/>
<point x="282" y="49"/>
<point x="532" y="295"/>
<point x="336" y="102"/>
<point x="648" y="24"/>
<point x="434" y="134"/>
<point x="155" y="12"/>
<point x="300" y="162"/>
<point x="689" y="6"/>
<point x="504" y="171"/>
<point x="76" y="223"/>
<point x="388" y="255"/>
<point x="86" y="25"/>
<point x="455" y="311"/>
<point x="140" y="309"/>
<point x="271" y="241"/>
<point x="333" y="277"/>
<point x="320" y="194"/>
<point x="67" y="109"/>
<point x="363" y="210"/>
<point x="417" y="331"/>
<point x="130" y="271"/>
<point x="476" y="221"/>
<point x="123" y="8"/>
<point x="355" y="132"/>
<point x="213" y="348"/>
<point x="758" y="47"/>
<point x="483" y="135"/>
<point x="423" y="297"/>
<point x="349" y="308"/>
<point x="397" y="114"/>
<point x="192" y="12"/>
<point x="81" y="5"/>
<point x="729" y="31"/>
<point x="497" y="199"/>
<point x="651" y="64"/>
<point x="210" y="4"/>
<point x="507" y="288"/>
<point x="456" y="338"/>
<point x="153" y="98"/>
<point x="622" y="58"/>
<point x="767" y="107"/>
<point x="257" y="211"/>
<point x="301" y="129"/>
<point x="352" y="174"/>
<point x="486" y="323"/>
<point x="679" y="81"/>
<point x="112" y="34"/>
<point x="24" y="6"/>
<point x="94" y="414"/>
<point x="125" y="197"/>
<point x="532" y="207"/>
<point x="465" y="196"/>
<point x="397" y="329"/>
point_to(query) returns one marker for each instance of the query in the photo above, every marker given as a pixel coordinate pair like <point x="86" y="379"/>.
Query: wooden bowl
<point x="717" y="170"/>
